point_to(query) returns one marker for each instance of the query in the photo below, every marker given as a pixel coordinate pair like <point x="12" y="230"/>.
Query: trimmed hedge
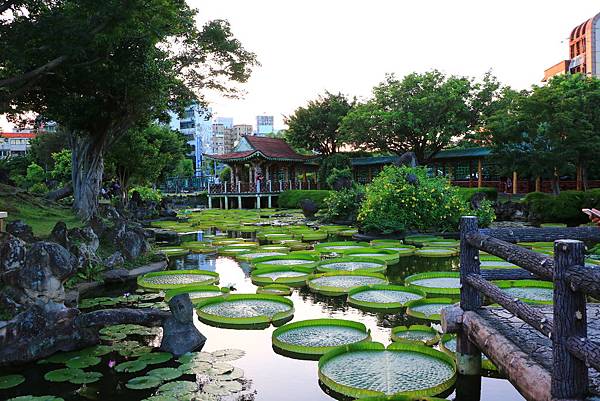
<point x="467" y="193"/>
<point x="291" y="199"/>
<point x="563" y="208"/>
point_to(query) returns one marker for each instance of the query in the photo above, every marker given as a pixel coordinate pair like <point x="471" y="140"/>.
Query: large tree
<point x="421" y="113"/>
<point x="316" y="126"/>
<point x="120" y="64"/>
<point x="551" y="130"/>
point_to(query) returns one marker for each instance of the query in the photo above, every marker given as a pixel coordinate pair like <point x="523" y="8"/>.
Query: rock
<point x="130" y="239"/>
<point x="309" y="208"/>
<point x="60" y="234"/>
<point x="40" y="280"/>
<point x="412" y="179"/>
<point x="134" y="245"/>
<point x="167" y="213"/>
<point x="476" y="200"/>
<point x="116" y="275"/>
<point x="115" y="260"/>
<point x="99" y="225"/>
<point x="513" y="211"/>
<point x="109" y="212"/>
<point x="85" y="256"/>
<point x="408" y="159"/>
<point x="179" y="333"/>
<point x="12" y="252"/>
<point x="342" y="183"/>
<point x="19" y="229"/>
<point x="163" y="235"/>
<point x="85" y="235"/>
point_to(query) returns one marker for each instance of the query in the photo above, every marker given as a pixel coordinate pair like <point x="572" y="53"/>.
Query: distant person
<point x="508" y="185"/>
<point x="217" y="180"/>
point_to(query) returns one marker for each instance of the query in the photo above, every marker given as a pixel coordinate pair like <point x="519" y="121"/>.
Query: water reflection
<point x="277" y="377"/>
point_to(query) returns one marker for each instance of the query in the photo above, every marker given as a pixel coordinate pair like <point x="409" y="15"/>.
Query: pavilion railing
<point x="572" y="350"/>
<point x="268" y="186"/>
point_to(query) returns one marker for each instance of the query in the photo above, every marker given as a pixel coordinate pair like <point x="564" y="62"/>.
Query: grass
<point x="41" y="214"/>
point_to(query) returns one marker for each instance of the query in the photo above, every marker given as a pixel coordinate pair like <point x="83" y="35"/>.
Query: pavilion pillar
<point x="479" y="173"/>
<point x="515" y="182"/>
<point x="250" y="174"/>
<point x="538" y="184"/>
<point x="470" y="173"/>
<point x="579" y="178"/>
<point x="444" y="169"/>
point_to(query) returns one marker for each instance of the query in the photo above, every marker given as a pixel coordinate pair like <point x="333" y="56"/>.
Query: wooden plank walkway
<point x="537" y="347"/>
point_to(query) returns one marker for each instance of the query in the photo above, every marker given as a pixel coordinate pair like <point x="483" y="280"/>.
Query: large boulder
<point x="309" y="208"/>
<point x="114" y="261"/>
<point x="130" y="239"/>
<point x="19" y="229"/>
<point x="40" y="280"/>
<point x="12" y="252"/>
<point x="180" y="335"/>
<point x="512" y="211"/>
<point x="60" y="234"/>
<point x="86" y="236"/>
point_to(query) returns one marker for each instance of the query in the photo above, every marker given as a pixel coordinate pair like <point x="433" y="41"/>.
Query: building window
<point x="186" y="125"/>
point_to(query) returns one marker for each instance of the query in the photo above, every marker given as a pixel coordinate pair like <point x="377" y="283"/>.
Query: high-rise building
<point x="217" y="143"/>
<point x="15" y="143"/>
<point x="226" y="121"/>
<point x="584" y="51"/>
<point x="264" y="125"/>
<point x="196" y="126"/>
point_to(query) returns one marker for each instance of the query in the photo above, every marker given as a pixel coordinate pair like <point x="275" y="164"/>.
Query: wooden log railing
<point x="572" y="351"/>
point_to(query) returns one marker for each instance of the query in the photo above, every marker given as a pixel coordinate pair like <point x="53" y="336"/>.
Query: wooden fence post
<point x="468" y="355"/>
<point x="570" y="375"/>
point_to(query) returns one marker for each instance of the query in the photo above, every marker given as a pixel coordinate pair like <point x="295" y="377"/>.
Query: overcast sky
<point x="309" y="46"/>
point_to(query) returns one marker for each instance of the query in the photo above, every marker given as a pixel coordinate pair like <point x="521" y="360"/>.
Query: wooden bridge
<point x="548" y="353"/>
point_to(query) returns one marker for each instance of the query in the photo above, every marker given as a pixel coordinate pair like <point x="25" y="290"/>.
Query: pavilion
<point x="262" y="167"/>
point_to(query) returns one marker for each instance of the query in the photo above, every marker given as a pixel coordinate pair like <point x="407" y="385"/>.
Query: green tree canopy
<point x="316" y="126"/>
<point x="421" y="113"/>
<point x="146" y="156"/>
<point x="102" y="68"/>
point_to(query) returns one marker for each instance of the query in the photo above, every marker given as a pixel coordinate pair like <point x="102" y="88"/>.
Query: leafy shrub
<point x="467" y="193"/>
<point x="344" y="205"/>
<point x="485" y="214"/>
<point x="147" y="194"/>
<point x="39" y="188"/>
<point x="337" y="177"/>
<point x="33" y="180"/>
<point x="291" y="199"/>
<point x="393" y="204"/>
<point x="338" y="161"/>
<point x="62" y="166"/>
<point x="225" y="174"/>
<point x="563" y="208"/>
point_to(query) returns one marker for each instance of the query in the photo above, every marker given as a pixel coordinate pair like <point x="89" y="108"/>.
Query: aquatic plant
<point x="339" y="247"/>
<point x="340" y="283"/>
<point x="275" y="289"/>
<point x="391" y="257"/>
<point x="383" y="297"/>
<point x="254" y="311"/>
<point x="369" y="369"/>
<point x="529" y="291"/>
<point x="310" y="339"/>
<point x="350" y="264"/>
<point x="196" y="292"/>
<point x="177" y="278"/>
<point x="428" y="309"/>
<point x="294" y="276"/>
<point x="416" y="334"/>
<point x="435" y="283"/>
<point x="10" y="381"/>
<point x="433" y="252"/>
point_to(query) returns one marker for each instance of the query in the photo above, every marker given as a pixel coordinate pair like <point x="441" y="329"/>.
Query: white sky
<point x="309" y="46"/>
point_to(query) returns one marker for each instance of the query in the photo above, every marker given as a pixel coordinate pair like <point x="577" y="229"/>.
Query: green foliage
<point x="344" y="205"/>
<point x="551" y="130"/>
<point x="62" y="166"/>
<point x="467" y="193"/>
<point x="185" y="168"/>
<point x="291" y="199"/>
<point x="337" y="161"/>
<point x="225" y="174"/>
<point x="422" y="113"/>
<point x="34" y="179"/>
<point x="147" y="193"/>
<point x="91" y="272"/>
<point x="563" y="208"/>
<point x="392" y="204"/>
<point x="315" y="127"/>
<point x="486" y="213"/>
<point x="337" y="174"/>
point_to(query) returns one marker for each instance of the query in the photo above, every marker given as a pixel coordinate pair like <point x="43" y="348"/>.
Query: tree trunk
<point x="555" y="183"/>
<point x="60" y="193"/>
<point x="87" y="170"/>
<point x="584" y="177"/>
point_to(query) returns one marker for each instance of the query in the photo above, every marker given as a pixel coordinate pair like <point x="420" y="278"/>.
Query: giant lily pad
<point x="416" y="334"/>
<point x="310" y="339"/>
<point x="390" y="257"/>
<point x="292" y="276"/>
<point x="245" y="310"/>
<point x="429" y="309"/>
<point x="435" y="283"/>
<point x="433" y="252"/>
<point x="340" y="283"/>
<point x="195" y="292"/>
<point x="369" y="369"/>
<point x="339" y="247"/>
<point x="248" y="257"/>
<point x="383" y="297"/>
<point x="529" y="291"/>
<point x="352" y="264"/>
<point x="177" y="278"/>
<point x="275" y="289"/>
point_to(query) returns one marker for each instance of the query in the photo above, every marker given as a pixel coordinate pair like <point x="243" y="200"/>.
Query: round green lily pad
<point x="165" y="373"/>
<point x="275" y="289"/>
<point x="229" y="354"/>
<point x="155" y="357"/>
<point x="235" y="374"/>
<point x="436" y="252"/>
<point x="143" y="382"/>
<point x="10" y="381"/>
<point x="131" y="366"/>
<point x="177" y="278"/>
<point x="429" y="309"/>
<point x="63" y="375"/>
<point x="352" y="264"/>
<point x="383" y="297"/>
<point x="416" y="334"/>
<point x="222" y="388"/>
<point x="86" y="378"/>
<point x="82" y="362"/>
<point x="178" y="388"/>
<point x="287" y="275"/>
<point x="435" y="283"/>
<point x="340" y="283"/>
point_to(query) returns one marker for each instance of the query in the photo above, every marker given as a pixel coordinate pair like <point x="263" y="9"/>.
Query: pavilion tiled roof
<point x="264" y="147"/>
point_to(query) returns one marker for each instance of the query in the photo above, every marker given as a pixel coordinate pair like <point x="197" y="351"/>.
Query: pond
<point x="268" y="374"/>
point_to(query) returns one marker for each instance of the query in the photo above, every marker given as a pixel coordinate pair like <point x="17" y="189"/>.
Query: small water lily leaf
<point x="222" y="389"/>
<point x="131" y="366"/>
<point x="226" y="355"/>
<point x="160" y="398"/>
<point x="195" y="367"/>
<point x="86" y="377"/>
<point x="235" y="374"/>
<point x="113" y="336"/>
<point x="155" y="357"/>
<point x="220" y="368"/>
<point x="178" y="388"/>
<point x="100" y="350"/>
<point x="143" y="382"/>
<point x="83" y="362"/>
<point x="196" y="356"/>
<point x="63" y="375"/>
<point x="60" y="357"/>
<point x="36" y="398"/>
<point x="11" y="381"/>
<point x="165" y="373"/>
